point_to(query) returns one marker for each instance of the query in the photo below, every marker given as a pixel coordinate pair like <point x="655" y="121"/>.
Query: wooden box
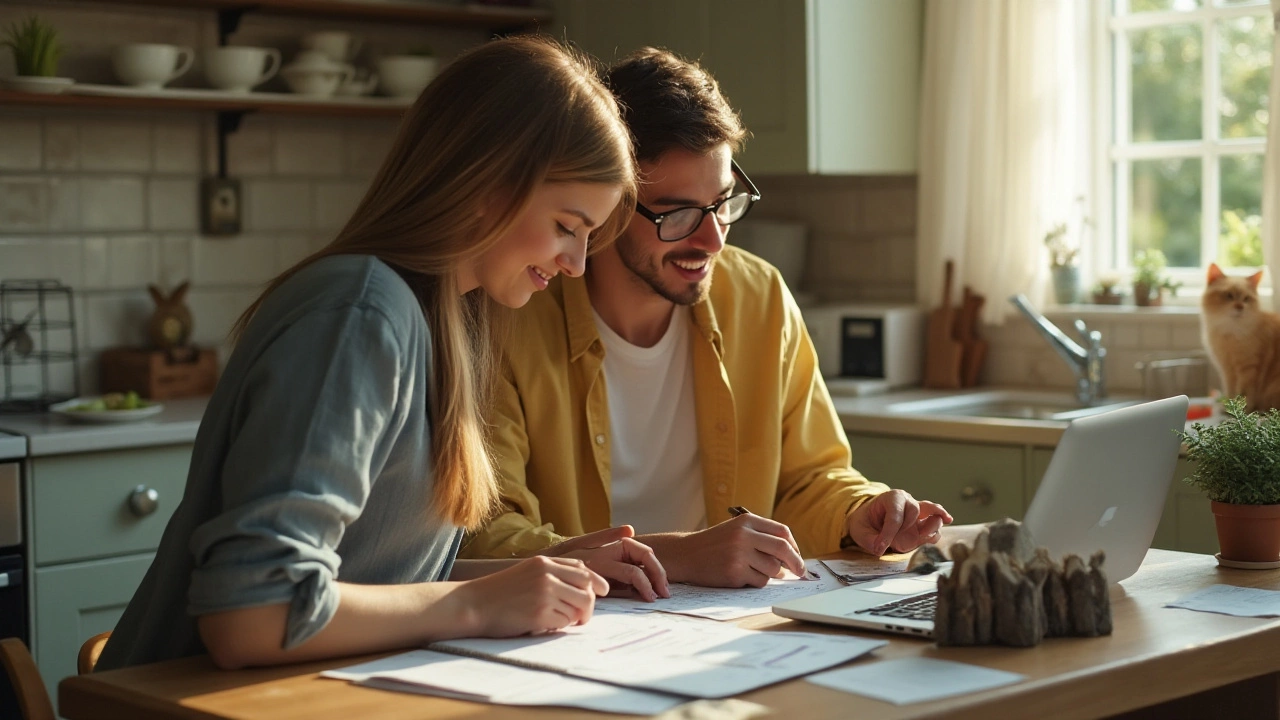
<point x="159" y="374"/>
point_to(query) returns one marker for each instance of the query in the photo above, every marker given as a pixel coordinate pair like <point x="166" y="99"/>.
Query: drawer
<point x="975" y="483"/>
<point x="82" y="503"/>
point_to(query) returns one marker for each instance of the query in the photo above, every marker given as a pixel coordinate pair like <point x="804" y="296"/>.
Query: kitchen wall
<point x="107" y="202"/>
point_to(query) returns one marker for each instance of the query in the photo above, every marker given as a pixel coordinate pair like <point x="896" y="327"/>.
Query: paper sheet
<point x="728" y="603"/>
<point x="672" y="654"/>
<point x="1232" y="600"/>
<point x="867" y="568"/>
<point x="443" y="675"/>
<point x="911" y="680"/>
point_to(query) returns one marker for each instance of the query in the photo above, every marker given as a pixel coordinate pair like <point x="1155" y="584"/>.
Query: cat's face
<point x="1230" y="297"/>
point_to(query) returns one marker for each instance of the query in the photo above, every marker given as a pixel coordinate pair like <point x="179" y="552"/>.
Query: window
<point x="1184" y="151"/>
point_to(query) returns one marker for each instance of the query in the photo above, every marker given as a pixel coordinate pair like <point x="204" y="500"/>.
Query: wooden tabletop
<point x="1155" y="654"/>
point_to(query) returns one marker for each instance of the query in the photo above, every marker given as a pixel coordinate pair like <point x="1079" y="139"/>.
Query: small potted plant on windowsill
<point x="1149" y="278"/>
<point x="1237" y="465"/>
<point x="36" y="51"/>
<point x="1106" y="291"/>
<point x="1062" y="265"/>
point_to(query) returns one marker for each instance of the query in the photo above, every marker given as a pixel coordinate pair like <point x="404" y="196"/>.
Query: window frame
<point x="1115" y="152"/>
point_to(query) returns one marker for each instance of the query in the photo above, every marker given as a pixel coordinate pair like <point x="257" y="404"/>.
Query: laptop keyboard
<point x="915" y="607"/>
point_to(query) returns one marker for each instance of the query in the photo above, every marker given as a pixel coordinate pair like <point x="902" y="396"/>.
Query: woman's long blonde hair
<point x="498" y="121"/>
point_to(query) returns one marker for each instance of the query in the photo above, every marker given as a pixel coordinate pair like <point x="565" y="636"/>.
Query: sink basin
<point x="1014" y="404"/>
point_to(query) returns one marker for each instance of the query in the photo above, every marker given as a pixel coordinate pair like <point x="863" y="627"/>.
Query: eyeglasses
<point x="682" y="222"/>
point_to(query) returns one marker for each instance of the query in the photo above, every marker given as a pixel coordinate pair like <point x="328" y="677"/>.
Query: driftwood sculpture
<point x="1006" y="591"/>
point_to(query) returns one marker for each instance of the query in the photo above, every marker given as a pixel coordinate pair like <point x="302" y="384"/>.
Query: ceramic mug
<point x="150" y="65"/>
<point x="405" y="75"/>
<point x="339" y="46"/>
<point x="239" y="69"/>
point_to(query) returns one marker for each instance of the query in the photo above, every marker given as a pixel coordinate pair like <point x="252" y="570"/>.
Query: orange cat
<point x="1242" y="338"/>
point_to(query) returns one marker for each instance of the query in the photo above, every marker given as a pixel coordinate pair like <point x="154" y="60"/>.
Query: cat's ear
<point x="1215" y="273"/>
<point x="1254" y="279"/>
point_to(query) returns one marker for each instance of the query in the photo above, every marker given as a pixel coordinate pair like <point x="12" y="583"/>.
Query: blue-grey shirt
<point x="312" y="465"/>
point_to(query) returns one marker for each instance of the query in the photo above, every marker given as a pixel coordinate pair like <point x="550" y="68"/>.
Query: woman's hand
<point x="628" y="564"/>
<point x="537" y="595"/>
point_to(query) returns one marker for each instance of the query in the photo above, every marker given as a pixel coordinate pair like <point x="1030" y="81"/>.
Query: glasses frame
<point x="658" y="218"/>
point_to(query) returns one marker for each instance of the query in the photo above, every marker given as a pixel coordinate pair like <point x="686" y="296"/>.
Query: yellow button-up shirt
<point x="769" y="438"/>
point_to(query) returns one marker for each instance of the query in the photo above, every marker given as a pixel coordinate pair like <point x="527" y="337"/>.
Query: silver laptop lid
<point x="1107" y="482"/>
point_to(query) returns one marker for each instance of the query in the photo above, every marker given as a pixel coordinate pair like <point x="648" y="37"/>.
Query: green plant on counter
<point x="1238" y="460"/>
<point x="35" y="47"/>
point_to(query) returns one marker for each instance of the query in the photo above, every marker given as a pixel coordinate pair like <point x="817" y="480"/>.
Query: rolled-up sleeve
<point x="313" y="419"/>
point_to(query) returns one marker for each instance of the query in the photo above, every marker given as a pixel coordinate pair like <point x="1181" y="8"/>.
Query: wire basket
<point x="37" y="345"/>
<point x="1166" y="375"/>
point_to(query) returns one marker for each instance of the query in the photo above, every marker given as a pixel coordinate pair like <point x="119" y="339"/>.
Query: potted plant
<point x="1063" y="266"/>
<point x="1237" y="465"/>
<point x="1149" y="278"/>
<point x="36" y="51"/>
<point x="1106" y="291"/>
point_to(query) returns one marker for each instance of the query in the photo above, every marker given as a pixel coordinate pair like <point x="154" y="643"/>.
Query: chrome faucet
<point x="1087" y="363"/>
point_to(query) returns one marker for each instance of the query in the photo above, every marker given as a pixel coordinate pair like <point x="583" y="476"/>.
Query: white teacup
<point x="339" y="46"/>
<point x="239" y="69"/>
<point x="150" y="65"/>
<point x="405" y="75"/>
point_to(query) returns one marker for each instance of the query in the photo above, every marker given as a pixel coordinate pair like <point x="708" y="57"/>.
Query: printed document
<point x="671" y="654"/>
<point x="911" y="680"/>
<point x="1232" y="600"/>
<point x="461" y="678"/>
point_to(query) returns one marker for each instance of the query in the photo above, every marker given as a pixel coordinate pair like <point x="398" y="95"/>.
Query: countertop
<point x="12" y="447"/>
<point x="51" y="434"/>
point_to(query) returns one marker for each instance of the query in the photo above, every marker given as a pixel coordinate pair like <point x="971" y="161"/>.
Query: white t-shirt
<point x="656" y="475"/>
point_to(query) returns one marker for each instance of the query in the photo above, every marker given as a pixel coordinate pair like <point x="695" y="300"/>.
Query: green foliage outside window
<point x="1241" y="242"/>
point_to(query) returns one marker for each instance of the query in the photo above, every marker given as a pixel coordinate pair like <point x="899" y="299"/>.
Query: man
<point x="646" y="394"/>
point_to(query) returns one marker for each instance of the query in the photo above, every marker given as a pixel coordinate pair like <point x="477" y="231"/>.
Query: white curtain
<point x="1003" y="142"/>
<point x="1271" y="177"/>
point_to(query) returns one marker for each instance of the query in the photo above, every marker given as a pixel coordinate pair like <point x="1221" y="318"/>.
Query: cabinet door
<point x="73" y="603"/>
<point x="82" y="502"/>
<point x="975" y="483"/>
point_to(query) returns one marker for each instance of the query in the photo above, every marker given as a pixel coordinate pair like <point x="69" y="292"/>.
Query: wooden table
<point x="1197" y="664"/>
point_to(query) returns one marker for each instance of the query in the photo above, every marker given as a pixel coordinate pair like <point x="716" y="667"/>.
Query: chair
<point x="33" y="700"/>
<point x="90" y="651"/>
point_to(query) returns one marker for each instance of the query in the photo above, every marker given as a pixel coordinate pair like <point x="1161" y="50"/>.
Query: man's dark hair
<point x="669" y="102"/>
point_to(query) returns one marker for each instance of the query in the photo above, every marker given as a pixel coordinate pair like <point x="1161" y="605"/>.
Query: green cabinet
<point x="97" y="519"/>
<point x="976" y="483"/>
<point x="824" y="86"/>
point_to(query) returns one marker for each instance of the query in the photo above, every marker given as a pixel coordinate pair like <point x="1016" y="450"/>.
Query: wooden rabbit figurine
<point x="171" y="323"/>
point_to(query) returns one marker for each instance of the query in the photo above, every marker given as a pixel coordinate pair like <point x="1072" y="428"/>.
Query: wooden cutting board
<point x="943" y="353"/>
<point x="975" y="348"/>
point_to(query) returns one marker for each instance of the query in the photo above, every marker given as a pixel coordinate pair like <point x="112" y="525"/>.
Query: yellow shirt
<point x="768" y="435"/>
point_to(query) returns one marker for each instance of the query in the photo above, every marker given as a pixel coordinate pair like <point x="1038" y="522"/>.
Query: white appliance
<point x="867" y="349"/>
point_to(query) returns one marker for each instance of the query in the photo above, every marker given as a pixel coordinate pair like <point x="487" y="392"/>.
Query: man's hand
<point x="630" y="566"/>
<point x="745" y="551"/>
<point x="895" y="520"/>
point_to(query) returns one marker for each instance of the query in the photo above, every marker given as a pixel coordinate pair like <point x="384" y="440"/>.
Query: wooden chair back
<point x="90" y="651"/>
<point x="33" y="699"/>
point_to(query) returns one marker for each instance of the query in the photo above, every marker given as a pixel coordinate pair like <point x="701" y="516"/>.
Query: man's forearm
<point x="669" y="550"/>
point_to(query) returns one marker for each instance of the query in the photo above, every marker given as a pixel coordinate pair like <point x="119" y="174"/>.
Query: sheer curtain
<point x="1004" y="149"/>
<point x="1271" y="177"/>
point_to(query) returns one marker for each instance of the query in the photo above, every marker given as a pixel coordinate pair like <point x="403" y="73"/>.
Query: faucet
<point x="1087" y="363"/>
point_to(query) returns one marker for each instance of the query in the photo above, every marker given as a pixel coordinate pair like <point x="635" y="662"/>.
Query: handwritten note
<point x="1232" y="600"/>
<point x="911" y="680"/>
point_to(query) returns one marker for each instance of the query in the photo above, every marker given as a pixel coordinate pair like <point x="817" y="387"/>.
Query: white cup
<point x="150" y="65"/>
<point x="339" y="46"/>
<point x="405" y="75"/>
<point x="239" y="69"/>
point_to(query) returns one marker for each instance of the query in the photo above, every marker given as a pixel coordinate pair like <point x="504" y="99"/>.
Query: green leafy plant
<point x="35" y="47"/>
<point x="1063" y="252"/>
<point x="1240" y="244"/>
<point x="1238" y="460"/>
<point x="1149" y="270"/>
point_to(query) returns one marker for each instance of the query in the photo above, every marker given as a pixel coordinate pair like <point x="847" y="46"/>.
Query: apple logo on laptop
<point x="1107" y="516"/>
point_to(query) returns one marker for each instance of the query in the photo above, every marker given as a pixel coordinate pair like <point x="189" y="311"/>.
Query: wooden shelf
<point x="495" y="18"/>
<point x="262" y="102"/>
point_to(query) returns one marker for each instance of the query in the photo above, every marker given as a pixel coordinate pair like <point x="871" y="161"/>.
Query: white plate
<point x="41" y="85"/>
<point x="104" y="416"/>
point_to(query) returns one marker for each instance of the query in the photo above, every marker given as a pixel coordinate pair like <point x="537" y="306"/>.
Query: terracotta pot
<point x="1147" y="296"/>
<point x="1248" y="533"/>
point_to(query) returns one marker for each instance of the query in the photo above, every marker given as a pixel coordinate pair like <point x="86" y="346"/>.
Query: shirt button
<point x="722" y="427"/>
<point x="722" y="488"/>
<point x="600" y="439"/>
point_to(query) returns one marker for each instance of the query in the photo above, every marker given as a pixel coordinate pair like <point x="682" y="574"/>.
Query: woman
<point x="343" y="452"/>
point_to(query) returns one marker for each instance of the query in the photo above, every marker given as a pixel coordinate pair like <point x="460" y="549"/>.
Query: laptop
<point x="1105" y="489"/>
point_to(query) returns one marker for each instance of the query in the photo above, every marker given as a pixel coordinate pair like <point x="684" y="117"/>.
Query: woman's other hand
<point x="629" y="565"/>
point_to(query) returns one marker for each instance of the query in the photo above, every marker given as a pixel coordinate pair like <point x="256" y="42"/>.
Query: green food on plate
<point x="113" y="401"/>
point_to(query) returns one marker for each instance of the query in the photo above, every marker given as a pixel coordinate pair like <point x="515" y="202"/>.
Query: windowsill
<point x="1085" y="311"/>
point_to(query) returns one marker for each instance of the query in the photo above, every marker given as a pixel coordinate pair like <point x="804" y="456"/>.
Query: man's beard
<point x="647" y="269"/>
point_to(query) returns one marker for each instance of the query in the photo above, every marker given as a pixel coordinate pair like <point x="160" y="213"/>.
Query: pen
<point x="736" y="510"/>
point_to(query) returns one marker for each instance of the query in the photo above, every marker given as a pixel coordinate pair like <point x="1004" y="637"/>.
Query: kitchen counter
<point x="51" y="434"/>
<point x="12" y="447"/>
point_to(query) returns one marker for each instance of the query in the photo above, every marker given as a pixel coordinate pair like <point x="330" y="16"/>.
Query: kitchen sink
<point x="1009" y="404"/>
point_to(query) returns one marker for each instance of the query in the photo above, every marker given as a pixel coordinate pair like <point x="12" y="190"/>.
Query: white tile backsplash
<point x="61" y="144"/>
<point x="311" y="152"/>
<point x="277" y="205"/>
<point x="24" y="203"/>
<point x="95" y="264"/>
<point x="173" y="204"/>
<point x="176" y="147"/>
<point x="133" y="261"/>
<point x="115" y="145"/>
<point x="112" y="203"/>
<point x="22" y="145"/>
<point x="335" y="201"/>
<point x="246" y="258"/>
<point x="176" y="258"/>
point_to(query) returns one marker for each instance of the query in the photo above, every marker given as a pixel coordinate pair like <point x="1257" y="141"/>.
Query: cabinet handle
<point x="144" y="500"/>
<point x="979" y="493"/>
